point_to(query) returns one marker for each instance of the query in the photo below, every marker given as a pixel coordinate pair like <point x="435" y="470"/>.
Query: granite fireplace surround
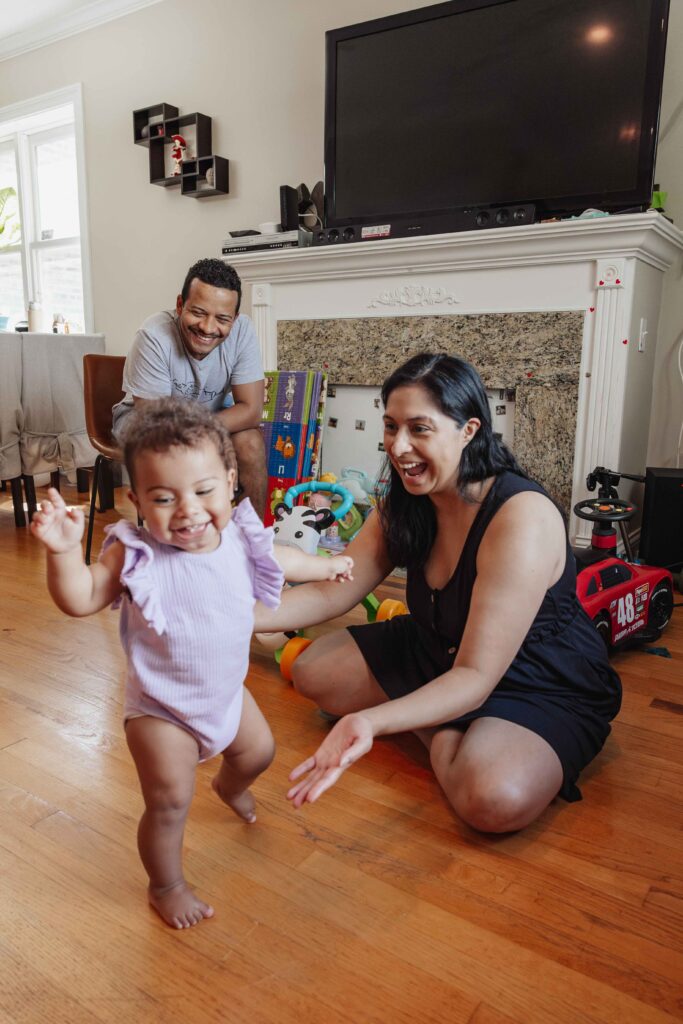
<point x="537" y="353"/>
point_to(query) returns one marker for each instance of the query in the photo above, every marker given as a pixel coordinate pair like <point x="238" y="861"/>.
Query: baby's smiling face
<point x="184" y="496"/>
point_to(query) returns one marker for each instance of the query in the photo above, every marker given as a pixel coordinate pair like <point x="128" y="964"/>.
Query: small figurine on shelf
<point x="178" y="153"/>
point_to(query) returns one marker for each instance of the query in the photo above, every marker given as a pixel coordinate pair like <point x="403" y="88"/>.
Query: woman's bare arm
<point x="310" y="603"/>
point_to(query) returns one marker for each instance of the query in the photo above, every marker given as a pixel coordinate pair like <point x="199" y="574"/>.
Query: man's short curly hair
<point x="166" y="423"/>
<point x="216" y="273"/>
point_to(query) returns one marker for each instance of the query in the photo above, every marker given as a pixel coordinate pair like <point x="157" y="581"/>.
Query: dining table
<point x="42" y="413"/>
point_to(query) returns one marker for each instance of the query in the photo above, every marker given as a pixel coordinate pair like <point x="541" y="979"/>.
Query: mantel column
<point x="604" y="368"/>
<point x="264" y="323"/>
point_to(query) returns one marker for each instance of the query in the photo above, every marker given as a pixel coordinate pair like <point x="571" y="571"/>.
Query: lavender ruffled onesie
<point x="186" y="623"/>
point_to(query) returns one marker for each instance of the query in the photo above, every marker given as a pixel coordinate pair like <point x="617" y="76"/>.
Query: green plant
<point x="10" y="226"/>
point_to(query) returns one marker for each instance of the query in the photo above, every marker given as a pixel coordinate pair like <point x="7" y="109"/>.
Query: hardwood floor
<point x="374" y="905"/>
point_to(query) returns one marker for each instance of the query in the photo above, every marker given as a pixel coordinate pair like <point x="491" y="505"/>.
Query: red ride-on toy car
<point x="626" y="601"/>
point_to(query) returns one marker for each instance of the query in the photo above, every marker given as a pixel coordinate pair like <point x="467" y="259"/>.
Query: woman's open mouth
<point x="412" y="470"/>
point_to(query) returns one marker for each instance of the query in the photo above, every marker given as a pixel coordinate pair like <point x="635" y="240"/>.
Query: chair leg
<point x="106" y="485"/>
<point x="93" y="501"/>
<point x="30" y="492"/>
<point x="82" y="481"/>
<point x="54" y="479"/>
<point x="18" y="501"/>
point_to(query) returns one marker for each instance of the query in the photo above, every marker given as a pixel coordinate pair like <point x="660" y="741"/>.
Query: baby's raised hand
<point x="58" y="527"/>
<point x="339" y="567"/>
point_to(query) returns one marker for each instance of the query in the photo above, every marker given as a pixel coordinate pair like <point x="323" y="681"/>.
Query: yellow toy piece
<point x="290" y="653"/>
<point x="389" y="608"/>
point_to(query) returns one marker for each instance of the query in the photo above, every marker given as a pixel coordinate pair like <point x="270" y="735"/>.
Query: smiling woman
<point x="496" y="667"/>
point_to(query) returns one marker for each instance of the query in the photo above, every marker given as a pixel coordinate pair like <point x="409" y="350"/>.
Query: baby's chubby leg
<point x="166" y="758"/>
<point x="249" y="754"/>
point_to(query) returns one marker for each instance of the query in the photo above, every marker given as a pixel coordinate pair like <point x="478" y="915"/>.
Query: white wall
<point x="256" y="67"/>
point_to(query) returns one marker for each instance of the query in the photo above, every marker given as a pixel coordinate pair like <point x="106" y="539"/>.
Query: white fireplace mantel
<point x="610" y="268"/>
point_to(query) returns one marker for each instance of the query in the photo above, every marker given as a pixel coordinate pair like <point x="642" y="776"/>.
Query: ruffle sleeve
<point x="134" y="574"/>
<point x="268" y="576"/>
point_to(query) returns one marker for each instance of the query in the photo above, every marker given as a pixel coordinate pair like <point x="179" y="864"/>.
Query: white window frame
<point x="13" y="129"/>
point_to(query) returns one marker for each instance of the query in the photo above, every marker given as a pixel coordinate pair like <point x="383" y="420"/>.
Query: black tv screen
<point x="478" y="103"/>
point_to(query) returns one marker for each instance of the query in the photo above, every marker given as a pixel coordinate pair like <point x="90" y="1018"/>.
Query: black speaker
<point x="289" y="208"/>
<point x="661" y="531"/>
<point x="470" y="218"/>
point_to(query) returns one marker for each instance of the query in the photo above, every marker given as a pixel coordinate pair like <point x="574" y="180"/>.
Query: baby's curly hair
<point x="166" y="423"/>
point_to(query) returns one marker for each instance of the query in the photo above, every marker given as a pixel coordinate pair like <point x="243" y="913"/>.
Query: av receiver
<point x="474" y="218"/>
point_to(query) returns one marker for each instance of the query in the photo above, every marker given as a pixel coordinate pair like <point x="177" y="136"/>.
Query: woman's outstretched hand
<point x="351" y="737"/>
<point x="60" y="528"/>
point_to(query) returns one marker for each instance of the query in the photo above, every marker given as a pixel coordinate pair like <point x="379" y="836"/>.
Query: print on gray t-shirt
<point x="158" y="364"/>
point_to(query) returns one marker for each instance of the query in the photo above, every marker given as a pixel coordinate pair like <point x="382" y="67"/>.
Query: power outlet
<point x="642" y="335"/>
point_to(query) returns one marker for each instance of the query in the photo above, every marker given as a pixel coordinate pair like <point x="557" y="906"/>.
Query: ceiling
<point x="26" y="26"/>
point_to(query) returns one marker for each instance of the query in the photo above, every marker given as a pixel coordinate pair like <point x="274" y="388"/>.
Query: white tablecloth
<point x="10" y="405"/>
<point x="51" y="410"/>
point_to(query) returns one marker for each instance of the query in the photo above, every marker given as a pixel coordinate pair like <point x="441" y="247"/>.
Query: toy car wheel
<point x="661" y="606"/>
<point x="604" y="628"/>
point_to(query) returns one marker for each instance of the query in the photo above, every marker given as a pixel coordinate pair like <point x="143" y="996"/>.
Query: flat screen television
<point x="478" y="103"/>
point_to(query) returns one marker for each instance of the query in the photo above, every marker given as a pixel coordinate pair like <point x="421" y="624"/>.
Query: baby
<point x="186" y="584"/>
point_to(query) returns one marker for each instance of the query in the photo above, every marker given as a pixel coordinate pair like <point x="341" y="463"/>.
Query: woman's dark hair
<point x="166" y="423"/>
<point x="216" y="273"/>
<point x="455" y="387"/>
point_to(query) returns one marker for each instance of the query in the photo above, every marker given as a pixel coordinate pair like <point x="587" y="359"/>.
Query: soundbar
<point x="475" y="218"/>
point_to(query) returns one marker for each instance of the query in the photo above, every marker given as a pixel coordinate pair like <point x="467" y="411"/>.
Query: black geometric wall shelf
<point x="203" y="174"/>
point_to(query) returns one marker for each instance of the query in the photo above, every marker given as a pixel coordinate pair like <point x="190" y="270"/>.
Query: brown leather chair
<point x="102" y="389"/>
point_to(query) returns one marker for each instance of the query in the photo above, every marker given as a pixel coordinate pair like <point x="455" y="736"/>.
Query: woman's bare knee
<point x="307" y="675"/>
<point x="333" y="673"/>
<point x="314" y="671"/>
<point x="494" y="805"/>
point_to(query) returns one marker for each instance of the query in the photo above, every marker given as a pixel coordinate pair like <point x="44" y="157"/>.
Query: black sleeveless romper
<point x="560" y="684"/>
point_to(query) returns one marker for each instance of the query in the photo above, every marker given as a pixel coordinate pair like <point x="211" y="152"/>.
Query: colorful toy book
<point x="292" y="428"/>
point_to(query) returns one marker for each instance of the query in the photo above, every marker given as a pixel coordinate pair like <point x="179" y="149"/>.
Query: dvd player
<point x="472" y="218"/>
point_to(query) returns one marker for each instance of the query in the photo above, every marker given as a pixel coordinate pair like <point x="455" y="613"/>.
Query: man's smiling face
<point x="206" y="317"/>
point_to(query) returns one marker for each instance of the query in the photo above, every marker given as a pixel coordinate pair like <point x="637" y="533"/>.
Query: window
<point x="43" y="236"/>
<point x="613" y="575"/>
<point x="592" y="587"/>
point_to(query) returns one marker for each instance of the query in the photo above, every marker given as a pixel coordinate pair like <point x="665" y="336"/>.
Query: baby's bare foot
<point x="178" y="906"/>
<point x="243" y="804"/>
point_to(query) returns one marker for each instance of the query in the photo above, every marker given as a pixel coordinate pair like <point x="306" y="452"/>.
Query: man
<point x="207" y="352"/>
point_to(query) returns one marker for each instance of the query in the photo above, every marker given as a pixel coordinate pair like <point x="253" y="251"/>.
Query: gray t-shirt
<point x="158" y="364"/>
